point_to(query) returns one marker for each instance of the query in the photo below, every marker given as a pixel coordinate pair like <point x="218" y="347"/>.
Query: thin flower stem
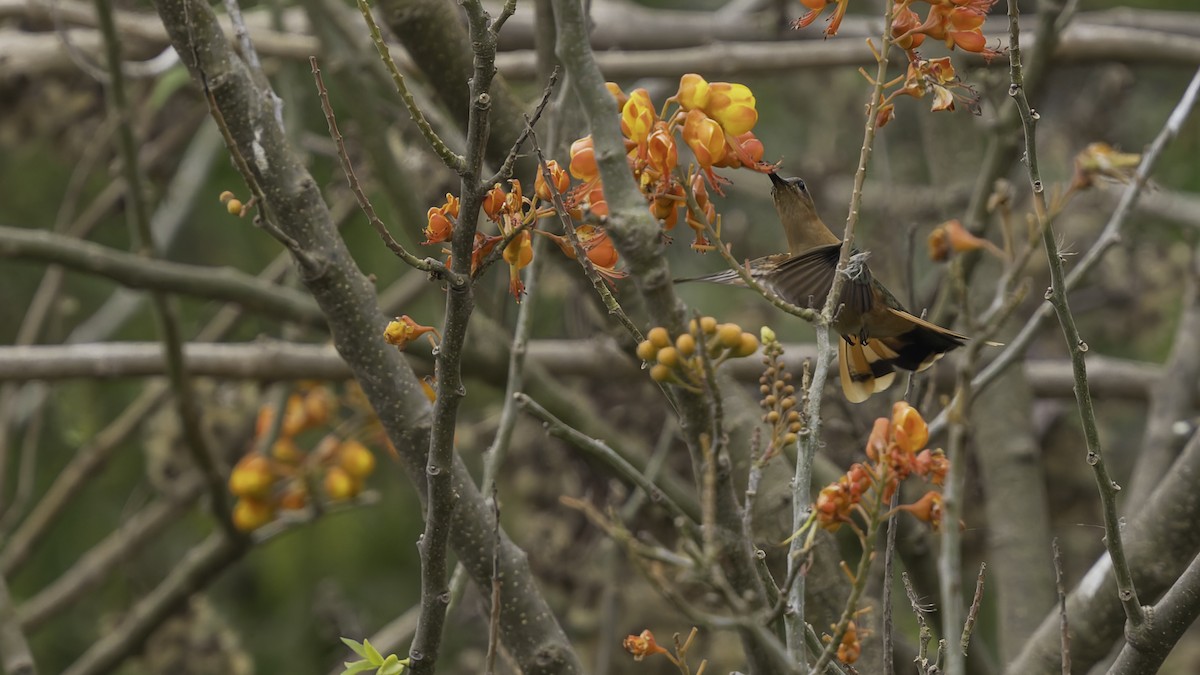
<point x="811" y="439"/>
<point x="689" y="513"/>
<point x="428" y="265"/>
<point x="453" y="161"/>
<point x="165" y="311"/>
<point x="506" y="169"/>
<point x="973" y="613"/>
<point x="589" y="269"/>
<point x="1057" y="295"/>
<point x="1064" y="626"/>
<point x="1110" y="236"/>
<point x="858" y="583"/>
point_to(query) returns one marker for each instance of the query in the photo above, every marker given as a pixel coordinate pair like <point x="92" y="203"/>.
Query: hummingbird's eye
<point x="799" y="183"/>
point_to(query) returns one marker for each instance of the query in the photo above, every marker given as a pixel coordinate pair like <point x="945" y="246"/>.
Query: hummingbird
<point x="878" y="334"/>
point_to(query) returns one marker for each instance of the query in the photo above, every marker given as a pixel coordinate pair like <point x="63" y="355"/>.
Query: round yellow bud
<point x="646" y="350"/>
<point x="747" y="346"/>
<point x="659" y="337"/>
<point x="356" y="459"/>
<point x="668" y="357"/>
<point x="766" y="334"/>
<point x="249" y="514"/>
<point x="686" y="344"/>
<point x="225" y="196"/>
<point x="708" y="325"/>
<point x="729" y="335"/>
<point x="339" y="484"/>
<point x="234" y="206"/>
<point x="252" y="477"/>
<point x="660" y="373"/>
<point x="285" y="450"/>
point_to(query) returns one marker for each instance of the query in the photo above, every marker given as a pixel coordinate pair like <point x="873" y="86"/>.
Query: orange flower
<point x="484" y="244"/>
<point x="705" y="137"/>
<point x="403" y="330"/>
<point x="952" y="236"/>
<point x="562" y="182"/>
<point x="438" y="226"/>
<point x="661" y="151"/>
<point x="815" y="7"/>
<point x="583" y="160"/>
<point x="904" y="21"/>
<point x="638" y="116"/>
<point x="932" y="465"/>
<point x="877" y="443"/>
<point x="493" y="202"/>
<point x="693" y="92"/>
<point x="732" y="106"/>
<point x="927" y="509"/>
<point x="710" y="214"/>
<point x="643" y="645"/>
<point x="743" y="150"/>
<point x="665" y="207"/>
<point x="958" y="24"/>
<point x="518" y="254"/>
<point x="939" y="245"/>
<point x="833" y="506"/>
<point x="595" y="202"/>
<point x="910" y="431"/>
<point x="850" y="648"/>
<point x="599" y="246"/>
<point x="619" y="95"/>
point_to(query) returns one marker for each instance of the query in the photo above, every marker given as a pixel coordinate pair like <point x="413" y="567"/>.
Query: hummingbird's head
<point x="791" y="193"/>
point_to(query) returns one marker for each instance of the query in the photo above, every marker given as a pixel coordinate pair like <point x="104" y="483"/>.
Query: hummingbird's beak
<point x="776" y="180"/>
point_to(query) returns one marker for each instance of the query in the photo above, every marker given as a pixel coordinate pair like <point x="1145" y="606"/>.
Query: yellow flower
<point x="583" y="160"/>
<point x="638" y="116"/>
<point x="704" y="136"/>
<point x="732" y="106"/>
<point x="518" y="254"/>
<point x="643" y="645"/>
<point x="909" y="428"/>
<point x="693" y="92"/>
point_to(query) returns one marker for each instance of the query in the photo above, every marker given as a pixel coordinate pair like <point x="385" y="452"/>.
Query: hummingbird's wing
<point x="804" y="280"/>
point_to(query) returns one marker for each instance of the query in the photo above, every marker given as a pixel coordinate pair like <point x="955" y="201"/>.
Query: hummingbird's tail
<point x="868" y="366"/>
<point x="728" y="277"/>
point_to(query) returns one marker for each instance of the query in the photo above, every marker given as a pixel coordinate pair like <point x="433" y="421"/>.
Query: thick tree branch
<point x="135" y="271"/>
<point x="528" y="627"/>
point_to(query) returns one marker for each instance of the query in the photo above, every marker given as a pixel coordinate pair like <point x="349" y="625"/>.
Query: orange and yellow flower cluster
<point x="928" y="77"/>
<point x="516" y="216"/>
<point x="895" y="450"/>
<point x="266" y="483"/>
<point x="957" y="23"/>
<point x="714" y="119"/>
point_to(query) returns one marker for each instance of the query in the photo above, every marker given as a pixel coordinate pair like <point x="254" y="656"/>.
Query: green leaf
<point x="392" y="666"/>
<point x="353" y="667"/>
<point x="357" y="647"/>
<point x="372" y="653"/>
